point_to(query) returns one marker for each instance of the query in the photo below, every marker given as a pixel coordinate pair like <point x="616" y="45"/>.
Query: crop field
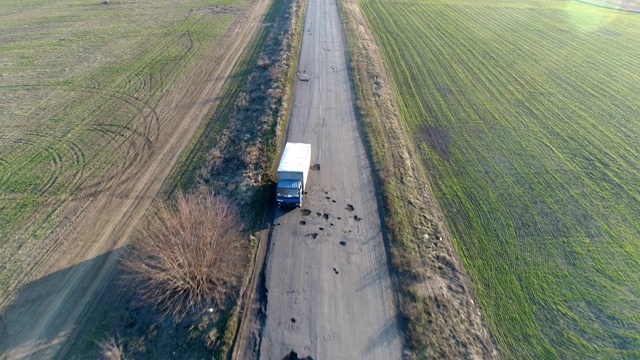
<point x="526" y="114"/>
<point x="80" y="82"/>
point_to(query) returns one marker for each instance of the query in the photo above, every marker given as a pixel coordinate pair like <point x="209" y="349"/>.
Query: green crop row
<point x="527" y="116"/>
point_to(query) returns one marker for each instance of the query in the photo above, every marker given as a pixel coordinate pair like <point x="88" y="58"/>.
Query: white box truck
<point x="292" y="174"/>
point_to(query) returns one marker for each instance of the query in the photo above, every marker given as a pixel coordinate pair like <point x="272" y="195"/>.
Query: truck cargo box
<point x="292" y="174"/>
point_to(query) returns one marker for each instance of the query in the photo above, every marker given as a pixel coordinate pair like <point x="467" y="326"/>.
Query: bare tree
<point x="111" y="349"/>
<point x="189" y="256"/>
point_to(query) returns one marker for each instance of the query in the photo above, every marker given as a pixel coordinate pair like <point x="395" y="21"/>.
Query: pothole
<point x="294" y="356"/>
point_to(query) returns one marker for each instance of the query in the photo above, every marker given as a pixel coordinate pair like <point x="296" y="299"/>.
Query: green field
<point x="528" y="116"/>
<point x="79" y="83"/>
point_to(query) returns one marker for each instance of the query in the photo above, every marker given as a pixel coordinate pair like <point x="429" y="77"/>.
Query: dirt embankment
<point x="442" y="319"/>
<point x="241" y="164"/>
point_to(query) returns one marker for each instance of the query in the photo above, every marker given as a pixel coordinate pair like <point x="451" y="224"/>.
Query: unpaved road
<point x="63" y="280"/>
<point x="329" y="292"/>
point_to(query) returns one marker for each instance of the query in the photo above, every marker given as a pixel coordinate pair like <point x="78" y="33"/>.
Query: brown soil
<point x="436" y="297"/>
<point x="62" y="282"/>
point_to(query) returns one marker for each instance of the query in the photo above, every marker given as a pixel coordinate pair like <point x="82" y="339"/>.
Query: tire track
<point x="137" y="85"/>
<point x="54" y="173"/>
<point x="79" y="161"/>
<point x="130" y="143"/>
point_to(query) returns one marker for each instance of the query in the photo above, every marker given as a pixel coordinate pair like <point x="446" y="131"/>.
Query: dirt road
<point x="329" y="292"/>
<point x="64" y="279"/>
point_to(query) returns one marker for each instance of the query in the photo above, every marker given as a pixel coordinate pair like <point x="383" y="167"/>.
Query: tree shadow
<point x="387" y="335"/>
<point x="37" y="323"/>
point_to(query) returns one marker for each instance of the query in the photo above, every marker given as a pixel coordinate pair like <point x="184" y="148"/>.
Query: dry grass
<point x="111" y="349"/>
<point x="189" y="256"/>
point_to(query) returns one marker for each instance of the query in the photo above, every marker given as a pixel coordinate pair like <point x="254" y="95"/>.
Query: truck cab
<point x="289" y="193"/>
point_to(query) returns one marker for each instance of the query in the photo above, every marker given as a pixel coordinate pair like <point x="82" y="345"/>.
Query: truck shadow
<point x="37" y="322"/>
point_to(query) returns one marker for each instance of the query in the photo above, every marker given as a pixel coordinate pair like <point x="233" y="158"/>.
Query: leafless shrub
<point x="243" y="99"/>
<point x="212" y="339"/>
<point x="189" y="256"/>
<point x="264" y="61"/>
<point x="111" y="349"/>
